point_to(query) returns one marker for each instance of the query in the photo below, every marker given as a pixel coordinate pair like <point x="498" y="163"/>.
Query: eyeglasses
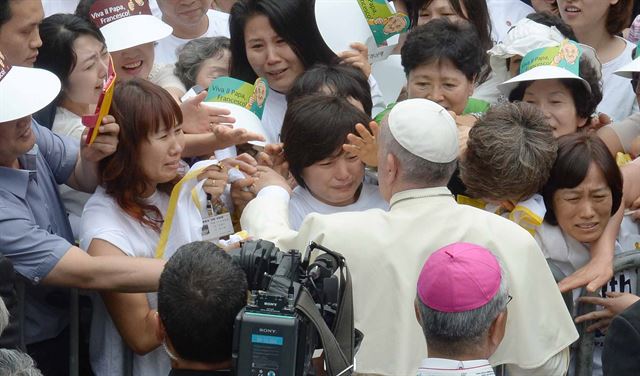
<point x="509" y="299"/>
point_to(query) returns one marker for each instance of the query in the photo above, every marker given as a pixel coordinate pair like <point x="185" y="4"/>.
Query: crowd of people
<point x="479" y="211"/>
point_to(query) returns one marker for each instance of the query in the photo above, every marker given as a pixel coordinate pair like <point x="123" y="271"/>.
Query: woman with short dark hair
<point x="582" y="194"/>
<point x="329" y="179"/>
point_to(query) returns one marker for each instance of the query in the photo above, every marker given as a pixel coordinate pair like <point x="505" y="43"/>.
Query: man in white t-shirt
<point x="190" y="20"/>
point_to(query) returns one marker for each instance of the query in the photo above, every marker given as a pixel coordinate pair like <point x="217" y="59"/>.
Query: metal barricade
<point x="582" y="349"/>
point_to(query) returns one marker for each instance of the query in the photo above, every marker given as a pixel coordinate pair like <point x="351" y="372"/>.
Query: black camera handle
<point x="338" y="345"/>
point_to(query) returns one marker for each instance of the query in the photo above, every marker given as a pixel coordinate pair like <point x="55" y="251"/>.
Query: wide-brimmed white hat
<point x="526" y="35"/>
<point x="127" y="23"/>
<point x="534" y="67"/>
<point x="425" y="129"/>
<point x="24" y="91"/>
<point x="628" y="70"/>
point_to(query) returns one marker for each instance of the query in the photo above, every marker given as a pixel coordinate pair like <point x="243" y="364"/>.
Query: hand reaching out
<point x="358" y="57"/>
<point x="614" y="304"/>
<point x="365" y="144"/>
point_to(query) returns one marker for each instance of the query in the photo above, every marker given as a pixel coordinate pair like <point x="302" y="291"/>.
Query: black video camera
<point x="294" y="308"/>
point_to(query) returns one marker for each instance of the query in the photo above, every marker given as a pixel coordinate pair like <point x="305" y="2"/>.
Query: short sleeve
<point x="33" y="251"/>
<point x="165" y="78"/>
<point x="101" y="221"/>
<point x="60" y="152"/>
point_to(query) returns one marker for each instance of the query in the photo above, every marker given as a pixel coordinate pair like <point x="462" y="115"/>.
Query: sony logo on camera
<point x="268" y="331"/>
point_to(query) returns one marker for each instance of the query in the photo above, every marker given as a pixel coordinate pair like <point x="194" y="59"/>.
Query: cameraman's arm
<point x="130" y="313"/>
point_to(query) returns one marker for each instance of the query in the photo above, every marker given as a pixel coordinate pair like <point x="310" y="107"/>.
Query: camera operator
<point x="201" y="292"/>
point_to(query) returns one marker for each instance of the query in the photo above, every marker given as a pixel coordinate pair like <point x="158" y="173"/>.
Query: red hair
<point x="141" y="109"/>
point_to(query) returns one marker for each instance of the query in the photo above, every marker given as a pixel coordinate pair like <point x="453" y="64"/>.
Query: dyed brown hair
<point x="141" y="109"/>
<point x="619" y="16"/>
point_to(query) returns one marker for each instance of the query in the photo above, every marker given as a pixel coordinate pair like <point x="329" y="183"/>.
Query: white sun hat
<point x="526" y="35"/>
<point x="24" y="91"/>
<point x="553" y="63"/>
<point x="628" y="70"/>
<point x="127" y="23"/>
<point x="425" y="129"/>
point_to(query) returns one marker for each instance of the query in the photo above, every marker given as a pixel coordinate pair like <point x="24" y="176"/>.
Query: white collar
<point x="439" y="366"/>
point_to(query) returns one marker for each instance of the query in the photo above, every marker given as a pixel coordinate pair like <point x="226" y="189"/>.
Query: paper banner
<point x="382" y="20"/>
<point x="566" y="55"/>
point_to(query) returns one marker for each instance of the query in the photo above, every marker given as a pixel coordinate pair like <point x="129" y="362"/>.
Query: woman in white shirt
<point x="329" y="179"/>
<point x="597" y="23"/>
<point x="75" y="51"/>
<point x="124" y="218"/>
<point x="582" y="193"/>
<point x="278" y="40"/>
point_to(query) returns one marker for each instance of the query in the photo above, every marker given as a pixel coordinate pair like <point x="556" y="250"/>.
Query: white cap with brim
<point x="628" y="70"/>
<point x="24" y="91"/>
<point x="244" y="119"/>
<point x="133" y="31"/>
<point x="425" y="129"/>
<point x="543" y="72"/>
<point x="526" y="35"/>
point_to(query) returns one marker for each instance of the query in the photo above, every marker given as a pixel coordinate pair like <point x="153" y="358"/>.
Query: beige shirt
<point x="386" y="251"/>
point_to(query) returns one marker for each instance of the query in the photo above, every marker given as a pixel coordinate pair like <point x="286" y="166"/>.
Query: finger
<point x="351" y="149"/>
<point x="594" y="285"/>
<point x="595" y="315"/>
<point x="356" y="141"/>
<point x="592" y="300"/>
<point x="613" y="294"/>
<point x="109" y="129"/>
<point x="221" y="119"/>
<point x="273" y="149"/>
<point x="360" y="47"/>
<point x="599" y="325"/>
<point x="375" y="129"/>
<point x="108" y="119"/>
<point x="364" y="133"/>
<point x="196" y="100"/>
<point x="571" y="282"/>
<point x="264" y="159"/>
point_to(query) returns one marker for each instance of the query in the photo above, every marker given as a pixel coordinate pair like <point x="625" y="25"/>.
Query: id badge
<point x="216" y="222"/>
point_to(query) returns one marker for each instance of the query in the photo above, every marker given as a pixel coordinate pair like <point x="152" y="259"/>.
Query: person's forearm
<point x="126" y="274"/>
<point x="114" y="273"/>
<point x="604" y="247"/>
<point x="84" y="177"/>
<point x="201" y="144"/>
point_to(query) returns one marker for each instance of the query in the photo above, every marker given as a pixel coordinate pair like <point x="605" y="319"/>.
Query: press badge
<point x="216" y="221"/>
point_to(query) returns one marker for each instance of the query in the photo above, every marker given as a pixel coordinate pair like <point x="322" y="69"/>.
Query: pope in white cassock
<point x="418" y="149"/>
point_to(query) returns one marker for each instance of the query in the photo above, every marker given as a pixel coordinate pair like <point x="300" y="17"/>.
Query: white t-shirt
<point x="569" y="255"/>
<point x="104" y="219"/>
<point x="504" y="14"/>
<point x="618" y="97"/>
<point x="163" y="76"/>
<point x="69" y="124"/>
<point x="166" y="48"/>
<point x="302" y="203"/>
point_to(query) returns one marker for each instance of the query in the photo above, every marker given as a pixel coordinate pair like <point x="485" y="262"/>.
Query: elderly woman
<point x="202" y="60"/>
